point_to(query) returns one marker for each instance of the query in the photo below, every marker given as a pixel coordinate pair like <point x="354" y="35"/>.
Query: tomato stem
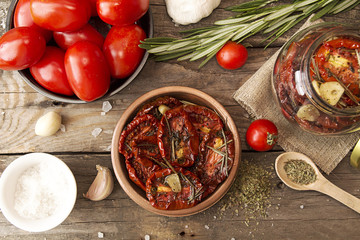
<point x="271" y="139"/>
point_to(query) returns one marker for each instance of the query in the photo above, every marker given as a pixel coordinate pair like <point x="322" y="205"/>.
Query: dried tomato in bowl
<point x="177" y="152"/>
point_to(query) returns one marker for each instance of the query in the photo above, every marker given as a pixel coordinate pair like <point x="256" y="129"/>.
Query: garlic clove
<point x="163" y="108"/>
<point x="308" y="112"/>
<point x="173" y="181"/>
<point x="331" y="92"/>
<point x="48" y="124"/>
<point x="102" y="185"/>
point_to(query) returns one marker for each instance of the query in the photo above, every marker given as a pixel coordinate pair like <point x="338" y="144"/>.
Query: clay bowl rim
<point x="183" y="93"/>
<point x="116" y="85"/>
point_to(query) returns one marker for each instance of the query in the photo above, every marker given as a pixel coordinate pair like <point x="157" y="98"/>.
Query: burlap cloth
<point x="257" y="98"/>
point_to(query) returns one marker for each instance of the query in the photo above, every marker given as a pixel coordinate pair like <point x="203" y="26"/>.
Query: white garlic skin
<point x="48" y="124"/>
<point x="102" y="186"/>
<point x="185" y="12"/>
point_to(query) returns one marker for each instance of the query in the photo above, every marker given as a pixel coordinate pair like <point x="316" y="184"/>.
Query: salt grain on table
<point x="147" y="237"/>
<point x="100" y="235"/>
<point x="62" y="128"/>
<point x="106" y="107"/>
<point x="96" y="132"/>
<point x="207" y="227"/>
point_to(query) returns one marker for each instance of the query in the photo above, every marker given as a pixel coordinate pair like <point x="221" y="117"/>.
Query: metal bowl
<point x="116" y="85"/>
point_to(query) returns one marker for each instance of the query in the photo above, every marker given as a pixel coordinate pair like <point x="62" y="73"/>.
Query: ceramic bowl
<point x="116" y="85"/>
<point x="8" y="191"/>
<point x="181" y="93"/>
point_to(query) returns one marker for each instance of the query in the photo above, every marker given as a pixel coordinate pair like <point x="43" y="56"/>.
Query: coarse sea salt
<point x="41" y="191"/>
<point x="106" y="107"/>
<point x="96" y="132"/>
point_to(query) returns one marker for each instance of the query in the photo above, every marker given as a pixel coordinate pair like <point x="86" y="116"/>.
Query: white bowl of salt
<point x="37" y="192"/>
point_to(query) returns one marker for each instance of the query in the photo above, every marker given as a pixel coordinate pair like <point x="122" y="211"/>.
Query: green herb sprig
<point x="252" y="17"/>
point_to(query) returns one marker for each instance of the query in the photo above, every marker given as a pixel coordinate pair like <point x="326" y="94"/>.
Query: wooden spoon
<point x="321" y="184"/>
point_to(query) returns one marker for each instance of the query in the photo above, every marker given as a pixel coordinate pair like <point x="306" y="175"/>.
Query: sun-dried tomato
<point x="140" y="168"/>
<point x="177" y="138"/>
<point x="214" y="166"/>
<point x="204" y="120"/>
<point x="142" y="129"/>
<point x="152" y="107"/>
<point x="335" y="58"/>
<point x="161" y="196"/>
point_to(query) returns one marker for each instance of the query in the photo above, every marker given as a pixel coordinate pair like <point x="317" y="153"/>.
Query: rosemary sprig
<point x="252" y="17"/>
<point x="163" y="165"/>
<point x="315" y="69"/>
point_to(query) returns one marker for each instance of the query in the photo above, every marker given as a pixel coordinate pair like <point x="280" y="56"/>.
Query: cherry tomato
<point x="121" y="13"/>
<point x="21" y="48"/>
<point x="87" y="70"/>
<point x="232" y="55"/>
<point x="22" y="18"/>
<point x="88" y="33"/>
<point x="122" y="51"/>
<point x="50" y="73"/>
<point x="62" y="16"/>
<point x="262" y="135"/>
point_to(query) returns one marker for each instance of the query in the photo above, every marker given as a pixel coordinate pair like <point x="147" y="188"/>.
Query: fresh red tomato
<point x="21" y="48"/>
<point x="88" y="33"/>
<point x="121" y="12"/>
<point x="22" y="18"/>
<point x="262" y="135"/>
<point x="93" y="8"/>
<point x="62" y="16"/>
<point x="122" y="51"/>
<point x="232" y="55"/>
<point x="87" y="70"/>
<point x="50" y="73"/>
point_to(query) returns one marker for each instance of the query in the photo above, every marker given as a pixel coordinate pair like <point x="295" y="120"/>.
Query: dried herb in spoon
<point x="298" y="171"/>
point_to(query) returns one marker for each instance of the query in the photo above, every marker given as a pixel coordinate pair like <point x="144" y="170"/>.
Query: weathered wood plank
<point x="118" y="217"/>
<point x="21" y="106"/>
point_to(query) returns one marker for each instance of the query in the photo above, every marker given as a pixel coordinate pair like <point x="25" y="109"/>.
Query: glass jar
<point x="316" y="79"/>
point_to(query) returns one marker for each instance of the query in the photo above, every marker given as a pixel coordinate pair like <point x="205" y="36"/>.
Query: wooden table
<point x="293" y="214"/>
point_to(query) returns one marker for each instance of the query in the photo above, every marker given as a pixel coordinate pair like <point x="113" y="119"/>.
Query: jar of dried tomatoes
<point x="316" y="79"/>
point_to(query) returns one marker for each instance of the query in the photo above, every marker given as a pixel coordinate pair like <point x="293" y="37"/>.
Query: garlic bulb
<point x="185" y="12"/>
<point x="102" y="186"/>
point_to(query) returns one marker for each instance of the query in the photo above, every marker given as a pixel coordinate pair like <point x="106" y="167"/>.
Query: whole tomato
<point x="93" y="8"/>
<point x="21" y="48"/>
<point x="62" y="16"/>
<point x="22" y="18"/>
<point x="232" y="55"/>
<point x="262" y="135"/>
<point x="88" y="33"/>
<point x="87" y="70"/>
<point x="50" y="73"/>
<point x="121" y="12"/>
<point x="122" y="51"/>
